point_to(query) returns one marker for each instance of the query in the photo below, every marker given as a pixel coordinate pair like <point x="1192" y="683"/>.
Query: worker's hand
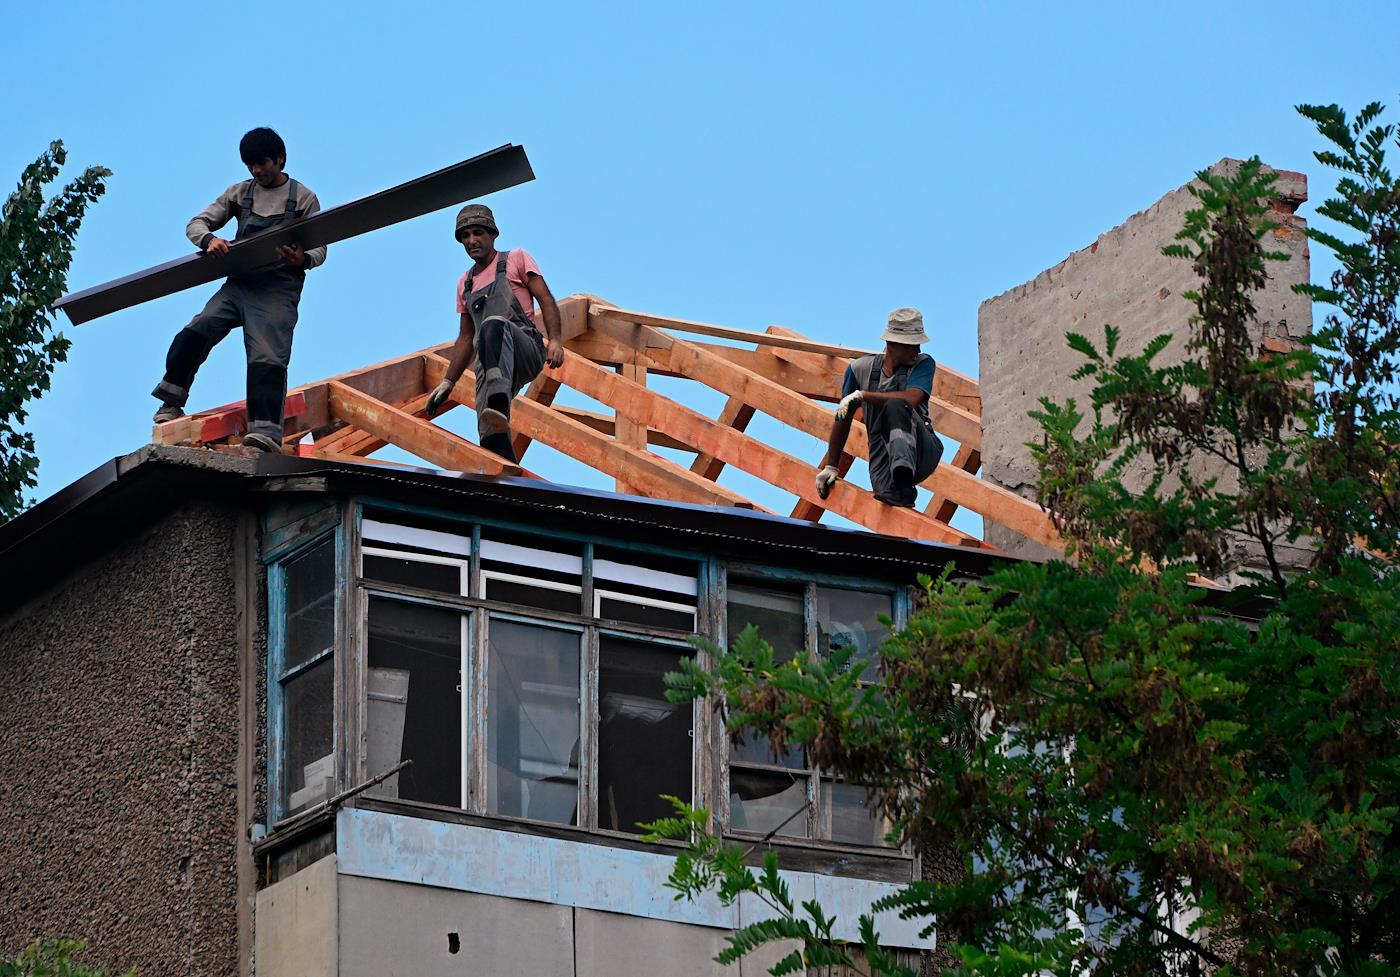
<point x="439" y="397"/>
<point x="846" y="409"/>
<point x="554" y="354"/>
<point x="825" y="479"/>
<point x="291" y="254"/>
<point x="216" y="245"/>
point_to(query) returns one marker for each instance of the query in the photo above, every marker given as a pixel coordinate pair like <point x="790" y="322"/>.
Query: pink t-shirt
<point x="519" y="265"/>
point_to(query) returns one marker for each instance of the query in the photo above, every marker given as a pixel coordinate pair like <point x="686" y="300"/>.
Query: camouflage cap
<point x="476" y="215"/>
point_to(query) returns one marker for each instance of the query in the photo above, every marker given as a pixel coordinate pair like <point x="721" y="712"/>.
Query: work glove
<point x="846" y="409"/>
<point x="439" y="397"/>
<point x="825" y="479"/>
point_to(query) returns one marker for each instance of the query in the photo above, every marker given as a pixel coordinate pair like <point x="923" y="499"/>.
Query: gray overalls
<point x="900" y="435"/>
<point x="264" y="302"/>
<point x="509" y="350"/>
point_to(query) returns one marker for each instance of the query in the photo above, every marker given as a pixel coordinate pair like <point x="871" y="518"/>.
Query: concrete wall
<point x="1124" y="280"/>
<point x="119" y="692"/>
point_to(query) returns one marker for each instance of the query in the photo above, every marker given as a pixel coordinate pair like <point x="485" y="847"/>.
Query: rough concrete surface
<point x="119" y="701"/>
<point x="1122" y="279"/>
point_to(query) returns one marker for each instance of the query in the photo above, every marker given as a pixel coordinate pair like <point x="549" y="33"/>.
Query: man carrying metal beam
<point x="495" y="302"/>
<point x="263" y="301"/>
<point x="892" y="388"/>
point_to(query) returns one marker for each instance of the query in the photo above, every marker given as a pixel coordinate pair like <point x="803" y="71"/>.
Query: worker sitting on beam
<point x="892" y="389"/>
<point x="263" y="301"/>
<point x="495" y="300"/>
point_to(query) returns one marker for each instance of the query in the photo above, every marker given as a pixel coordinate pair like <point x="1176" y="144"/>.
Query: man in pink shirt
<point x="496" y="303"/>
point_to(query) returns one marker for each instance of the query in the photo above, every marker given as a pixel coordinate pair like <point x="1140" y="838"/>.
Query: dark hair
<point x="260" y="144"/>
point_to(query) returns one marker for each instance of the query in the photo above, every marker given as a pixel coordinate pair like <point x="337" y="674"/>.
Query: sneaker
<point x="262" y="442"/>
<point x="168" y="412"/>
<point x="493" y="421"/>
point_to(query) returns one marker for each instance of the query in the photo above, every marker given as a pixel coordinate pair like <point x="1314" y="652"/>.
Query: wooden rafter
<point x="610" y="353"/>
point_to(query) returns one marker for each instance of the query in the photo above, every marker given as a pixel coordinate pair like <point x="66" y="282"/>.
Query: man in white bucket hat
<point x="892" y="389"/>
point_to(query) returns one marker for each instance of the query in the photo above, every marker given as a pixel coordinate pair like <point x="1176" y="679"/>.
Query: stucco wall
<point x="1124" y="280"/>
<point x="119" y="703"/>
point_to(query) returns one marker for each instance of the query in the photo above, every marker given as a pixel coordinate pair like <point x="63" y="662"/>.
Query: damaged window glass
<point x="644" y="740"/>
<point x="414" y="708"/>
<point x="307" y="678"/>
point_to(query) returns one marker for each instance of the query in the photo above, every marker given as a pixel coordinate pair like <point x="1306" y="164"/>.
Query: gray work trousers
<point x="508" y="357"/>
<point x="266" y="308"/>
<point x="899" y="439"/>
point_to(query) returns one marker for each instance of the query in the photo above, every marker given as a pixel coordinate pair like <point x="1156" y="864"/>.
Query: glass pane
<point x="644" y="741"/>
<point x="851" y="619"/>
<point x="414" y="710"/>
<point x="308" y="758"/>
<point x="444" y="578"/>
<point x="310" y="602"/>
<point x="532" y="737"/>
<point x="529" y="595"/>
<point x="851" y="821"/>
<point x="761" y="800"/>
<point x="778" y="615"/>
<point x="645" y="574"/>
<point x="622" y="609"/>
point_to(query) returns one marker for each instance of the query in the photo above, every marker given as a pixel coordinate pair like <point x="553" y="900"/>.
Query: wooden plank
<point x="669" y="353"/>
<point x="498" y="169"/>
<point x="418" y="437"/>
<point x="606" y="424"/>
<point x="541" y="390"/>
<point x="647" y="473"/>
<point x="749" y="454"/>
<point x="224" y="422"/>
<point x="625" y="429"/>
<point x="967" y="459"/>
<point x="736" y="414"/>
<point x="722" y="332"/>
<point x="812" y="511"/>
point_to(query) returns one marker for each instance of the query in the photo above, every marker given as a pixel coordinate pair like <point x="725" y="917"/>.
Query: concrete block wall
<point x="119" y="692"/>
<point x="1121" y="279"/>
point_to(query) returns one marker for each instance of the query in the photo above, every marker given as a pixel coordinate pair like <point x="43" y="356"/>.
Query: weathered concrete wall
<point x="119" y="693"/>
<point x="1121" y="279"/>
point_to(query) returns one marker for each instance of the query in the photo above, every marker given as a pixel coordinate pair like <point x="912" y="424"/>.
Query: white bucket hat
<point x="906" y="326"/>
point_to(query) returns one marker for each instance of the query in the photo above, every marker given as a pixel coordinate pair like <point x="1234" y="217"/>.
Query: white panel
<point x="428" y="539"/>
<point x="524" y="557"/>
<point x="642" y="577"/>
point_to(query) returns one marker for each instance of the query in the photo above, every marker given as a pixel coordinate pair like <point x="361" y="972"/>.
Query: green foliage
<point x="36" y="249"/>
<point x="1137" y="774"/>
<point x="51" y="958"/>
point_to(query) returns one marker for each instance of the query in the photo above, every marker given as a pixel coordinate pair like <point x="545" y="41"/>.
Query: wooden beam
<point x="723" y="332"/>
<point x="736" y="414"/>
<point x="541" y="390"/>
<point x="418" y="437"/>
<point x="998" y="504"/>
<point x="606" y="424"/>
<point x="749" y="454"/>
<point x="968" y="460"/>
<point x="625" y="429"/>
<point x="224" y="422"/>
<point x="647" y="473"/>
<point x="812" y="511"/>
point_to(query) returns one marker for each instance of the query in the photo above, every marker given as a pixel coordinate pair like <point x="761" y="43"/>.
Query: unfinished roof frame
<point x="609" y="354"/>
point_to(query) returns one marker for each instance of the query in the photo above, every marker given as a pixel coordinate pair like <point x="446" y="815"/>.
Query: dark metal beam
<point x="476" y="177"/>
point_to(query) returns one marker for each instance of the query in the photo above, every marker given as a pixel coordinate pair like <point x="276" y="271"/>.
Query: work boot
<point x="262" y="442"/>
<point x="493" y="422"/>
<point x="168" y="412"/>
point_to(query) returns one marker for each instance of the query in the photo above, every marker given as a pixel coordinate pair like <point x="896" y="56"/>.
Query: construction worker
<point x="495" y="302"/>
<point x="892" y="389"/>
<point x="263" y="301"/>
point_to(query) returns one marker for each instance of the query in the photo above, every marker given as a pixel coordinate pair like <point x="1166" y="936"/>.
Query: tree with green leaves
<point x="36" y="249"/>
<point x="1137" y="774"/>
<point x="51" y="958"/>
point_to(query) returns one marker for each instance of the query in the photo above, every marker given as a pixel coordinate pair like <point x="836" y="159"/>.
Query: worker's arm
<point x="912" y="396"/>
<point x="549" y="311"/>
<point x="461" y="357"/>
<point x="200" y="230"/>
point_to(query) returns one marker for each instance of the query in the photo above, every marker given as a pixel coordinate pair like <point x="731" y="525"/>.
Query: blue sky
<point x="807" y="164"/>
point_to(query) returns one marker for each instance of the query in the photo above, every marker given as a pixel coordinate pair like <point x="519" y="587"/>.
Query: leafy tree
<point x="1139" y="775"/>
<point x="36" y="248"/>
<point x="51" y="958"/>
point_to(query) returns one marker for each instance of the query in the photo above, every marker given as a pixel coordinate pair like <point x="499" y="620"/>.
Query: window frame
<point x="818" y="818"/>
